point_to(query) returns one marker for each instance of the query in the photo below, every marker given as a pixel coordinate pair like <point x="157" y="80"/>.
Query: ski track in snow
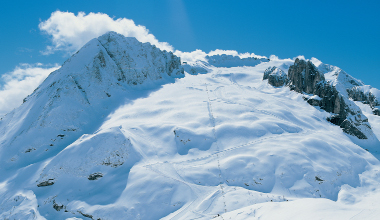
<point x="217" y="146"/>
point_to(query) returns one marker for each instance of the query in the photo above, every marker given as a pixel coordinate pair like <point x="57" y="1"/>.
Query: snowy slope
<point x="76" y="98"/>
<point x="134" y="138"/>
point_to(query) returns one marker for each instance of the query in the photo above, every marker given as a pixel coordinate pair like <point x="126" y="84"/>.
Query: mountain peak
<point x="76" y="97"/>
<point x="112" y="36"/>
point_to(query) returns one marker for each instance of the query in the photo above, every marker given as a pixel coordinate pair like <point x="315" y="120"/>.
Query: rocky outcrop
<point x="357" y="93"/>
<point x="376" y="111"/>
<point x="275" y="76"/>
<point x="198" y="67"/>
<point x="351" y="87"/>
<point x="95" y="176"/>
<point x="58" y="207"/>
<point x="137" y="61"/>
<point x="304" y="77"/>
<point x="48" y="182"/>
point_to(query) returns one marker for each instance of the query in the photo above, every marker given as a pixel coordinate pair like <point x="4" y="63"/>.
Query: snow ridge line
<point x="137" y="147"/>
<point x="217" y="148"/>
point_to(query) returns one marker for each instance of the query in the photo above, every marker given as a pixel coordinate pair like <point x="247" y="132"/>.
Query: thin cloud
<point x="21" y="82"/>
<point x="69" y="32"/>
<point x="191" y="56"/>
<point x="199" y="55"/>
<point x="233" y="53"/>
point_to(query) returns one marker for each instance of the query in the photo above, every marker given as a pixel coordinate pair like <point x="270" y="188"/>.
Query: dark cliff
<point x="303" y="77"/>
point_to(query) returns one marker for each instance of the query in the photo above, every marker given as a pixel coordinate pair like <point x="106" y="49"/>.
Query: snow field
<point x="267" y="144"/>
<point x="221" y="145"/>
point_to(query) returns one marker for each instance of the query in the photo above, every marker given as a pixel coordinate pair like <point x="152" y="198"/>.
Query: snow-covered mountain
<point x="124" y="131"/>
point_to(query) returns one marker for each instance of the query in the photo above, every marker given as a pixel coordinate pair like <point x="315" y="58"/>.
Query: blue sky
<point x="341" y="33"/>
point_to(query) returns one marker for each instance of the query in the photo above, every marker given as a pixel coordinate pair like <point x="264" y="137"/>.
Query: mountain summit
<point x="76" y="98"/>
<point x="124" y="131"/>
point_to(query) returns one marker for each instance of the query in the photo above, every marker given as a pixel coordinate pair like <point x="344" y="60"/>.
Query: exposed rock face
<point x="198" y="67"/>
<point x="357" y="94"/>
<point x="57" y="206"/>
<point x="138" y="61"/>
<point x="331" y="100"/>
<point x="376" y="111"/>
<point x="366" y="96"/>
<point x="275" y="76"/>
<point x="95" y="176"/>
<point x="354" y="125"/>
<point x="304" y="77"/>
<point x="48" y="182"/>
<point x="351" y="87"/>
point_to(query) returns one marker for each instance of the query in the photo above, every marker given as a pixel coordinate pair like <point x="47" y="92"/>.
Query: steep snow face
<point x="138" y="61"/>
<point x="338" y="78"/>
<point x="76" y="98"/>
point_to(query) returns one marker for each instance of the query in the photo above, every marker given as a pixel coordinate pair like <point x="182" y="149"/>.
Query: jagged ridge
<point x="304" y="77"/>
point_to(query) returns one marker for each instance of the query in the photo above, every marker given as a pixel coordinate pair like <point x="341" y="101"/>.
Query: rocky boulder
<point x="376" y="111"/>
<point x="275" y="76"/>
